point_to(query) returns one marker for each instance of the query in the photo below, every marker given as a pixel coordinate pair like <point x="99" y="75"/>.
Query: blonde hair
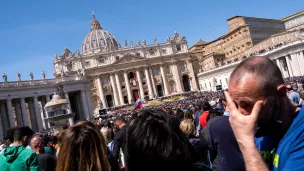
<point x="106" y="133"/>
<point x="187" y="127"/>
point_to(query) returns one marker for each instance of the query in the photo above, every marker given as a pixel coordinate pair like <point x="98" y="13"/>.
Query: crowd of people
<point x="257" y="124"/>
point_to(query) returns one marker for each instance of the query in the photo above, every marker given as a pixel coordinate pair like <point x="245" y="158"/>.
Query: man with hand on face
<point x="259" y="106"/>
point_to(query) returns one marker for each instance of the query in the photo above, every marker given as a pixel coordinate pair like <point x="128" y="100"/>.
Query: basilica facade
<point x="121" y="74"/>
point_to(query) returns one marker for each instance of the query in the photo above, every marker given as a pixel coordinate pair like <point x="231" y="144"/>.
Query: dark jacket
<point x="119" y="142"/>
<point x="47" y="162"/>
<point x="112" y="161"/>
<point x="224" y="149"/>
<point x="201" y="150"/>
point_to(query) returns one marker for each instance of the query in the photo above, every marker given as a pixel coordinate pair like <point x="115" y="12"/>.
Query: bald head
<point x="266" y="72"/>
<point x="37" y="144"/>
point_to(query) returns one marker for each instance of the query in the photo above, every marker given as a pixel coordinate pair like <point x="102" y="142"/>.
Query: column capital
<point x="163" y="64"/>
<point x="173" y="62"/>
<point x="96" y="76"/>
<point x="155" y="65"/>
<point x="112" y="73"/>
<point x="188" y="60"/>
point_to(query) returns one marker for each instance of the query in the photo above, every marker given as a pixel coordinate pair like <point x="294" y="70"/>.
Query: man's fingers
<point x="256" y="109"/>
<point x="230" y="102"/>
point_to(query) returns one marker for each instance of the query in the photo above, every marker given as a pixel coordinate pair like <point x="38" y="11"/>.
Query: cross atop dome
<point x="95" y="25"/>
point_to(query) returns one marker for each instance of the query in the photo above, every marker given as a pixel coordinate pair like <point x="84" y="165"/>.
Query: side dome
<point x="98" y="40"/>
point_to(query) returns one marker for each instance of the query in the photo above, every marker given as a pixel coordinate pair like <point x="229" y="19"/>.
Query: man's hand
<point x="243" y="126"/>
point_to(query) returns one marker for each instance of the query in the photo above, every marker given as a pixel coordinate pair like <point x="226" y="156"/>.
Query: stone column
<point x="302" y="55"/>
<point x="128" y="87"/>
<point x="1" y="128"/>
<point x="44" y="113"/>
<point x="300" y="61"/>
<point x="4" y="118"/>
<point x="177" y="78"/>
<point x="47" y="98"/>
<point x="69" y="110"/>
<point x="193" y="82"/>
<point x="149" y="83"/>
<point x="18" y="113"/>
<point x="121" y="99"/>
<point x="24" y="112"/>
<point x="141" y="89"/>
<point x="85" y="105"/>
<point x="280" y="67"/>
<point x="2" y="122"/>
<point x="115" y="94"/>
<point x="32" y="115"/>
<point x="295" y="64"/>
<point x="153" y="83"/>
<point x="101" y="93"/>
<point x="38" y="114"/>
<point x="10" y="113"/>
<point x="165" y="80"/>
<point x="90" y="107"/>
<point x="290" y="69"/>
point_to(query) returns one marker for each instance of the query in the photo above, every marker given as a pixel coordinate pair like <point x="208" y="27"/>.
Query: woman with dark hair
<point x="82" y="148"/>
<point x="155" y="142"/>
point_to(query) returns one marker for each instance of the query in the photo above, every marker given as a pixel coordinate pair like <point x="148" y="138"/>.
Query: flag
<point x="138" y="104"/>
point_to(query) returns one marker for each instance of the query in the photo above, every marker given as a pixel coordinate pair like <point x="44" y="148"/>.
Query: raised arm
<point x="243" y="127"/>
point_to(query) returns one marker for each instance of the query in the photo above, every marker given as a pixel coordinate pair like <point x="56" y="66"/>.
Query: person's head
<point x="206" y="106"/>
<point x="36" y="144"/>
<point x="221" y="101"/>
<point x="289" y="88"/>
<point x="295" y="87"/>
<point x="82" y="148"/>
<point x="188" y="115"/>
<point x="187" y="127"/>
<point x="213" y="113"/>
<point x="22" y="135"/>
<point x="259" y="78"/>
<point x="302" y="94"/>
<point x="9" y="134"/>
<point x="153" y="135"/>
<point x="119" y="122"/>
<point x="302" y="82"/>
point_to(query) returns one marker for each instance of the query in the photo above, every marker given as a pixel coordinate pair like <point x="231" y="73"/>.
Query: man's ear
<point x="24" y="139"/>
<point x="282" y="90"/>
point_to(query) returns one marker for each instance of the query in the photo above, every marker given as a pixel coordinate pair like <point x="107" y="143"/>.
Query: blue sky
<point x="31" y="31"/>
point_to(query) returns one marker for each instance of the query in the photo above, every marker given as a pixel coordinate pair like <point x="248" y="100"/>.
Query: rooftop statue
<point x="131" y="43"/>
<point x="155" y="40"/>
<point x="55" y="56"/>
<point x="126" y="43"/>
<point x="168" y="39"/>
<point x="144" y="42"/>
<point x="31" y="76"/>
<point x="4" y="76"/>
<point x="18" y="76"/>
<point x="43" y="75"/>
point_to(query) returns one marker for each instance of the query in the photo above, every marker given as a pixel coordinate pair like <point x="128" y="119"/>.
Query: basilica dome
<point x="98" y="39"/>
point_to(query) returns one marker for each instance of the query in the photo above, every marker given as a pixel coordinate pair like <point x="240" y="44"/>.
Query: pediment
<point x="128" y="59"/>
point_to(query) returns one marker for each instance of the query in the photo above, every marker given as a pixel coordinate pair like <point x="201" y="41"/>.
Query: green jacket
<point x="18" y="158"/>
